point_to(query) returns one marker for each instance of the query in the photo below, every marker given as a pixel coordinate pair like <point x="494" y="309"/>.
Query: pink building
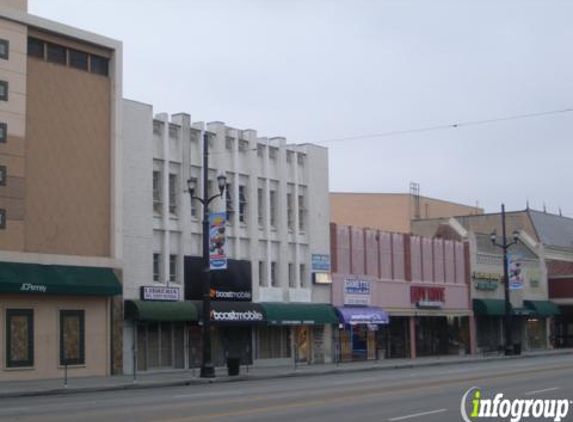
<point x="418" y="288"/>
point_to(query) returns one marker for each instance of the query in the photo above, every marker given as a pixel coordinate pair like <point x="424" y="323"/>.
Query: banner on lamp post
<point x="217" y="240"/>
<point x="515" y="272"/>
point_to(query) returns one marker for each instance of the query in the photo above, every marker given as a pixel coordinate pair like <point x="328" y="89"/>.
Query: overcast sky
<point x="313" y="70"/>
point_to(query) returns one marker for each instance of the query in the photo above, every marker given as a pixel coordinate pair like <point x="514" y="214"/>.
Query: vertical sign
<point x="515" y="272"/>
<point x="217" y="255"/>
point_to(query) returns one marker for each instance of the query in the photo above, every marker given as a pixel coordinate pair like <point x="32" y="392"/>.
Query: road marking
<point x="532" y="393"/>
<point x="417" y="415"/>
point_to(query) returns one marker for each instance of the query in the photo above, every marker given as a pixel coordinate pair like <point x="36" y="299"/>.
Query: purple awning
<point x="365" y="315"/>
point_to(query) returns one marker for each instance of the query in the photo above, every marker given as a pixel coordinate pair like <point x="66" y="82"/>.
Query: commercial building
<point x="400" y="295"/>
<point x="266" y="308"/>
<point x="60" y="199"/>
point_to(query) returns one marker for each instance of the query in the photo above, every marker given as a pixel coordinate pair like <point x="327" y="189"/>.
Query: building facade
<point x="276" y="201"/>
<point x="400" y="296"/>
<point x="60" y="199"/>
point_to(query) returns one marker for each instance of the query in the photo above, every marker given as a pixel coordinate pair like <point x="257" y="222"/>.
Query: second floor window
<point x="156" y="267"/>
<point x="173" y="268"/>
<point x="274" y="275"/>
<point x="173" y="194"/>
<point x="243" y="204"/>
<point x="260" y="207"/>
<point x="157" y="192"/>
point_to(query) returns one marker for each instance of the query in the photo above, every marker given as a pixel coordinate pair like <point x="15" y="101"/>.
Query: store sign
<point x="534" y="278"/>
<point x="486" y="281"/>
<point x="237" y="316"/>
<point x="34" y="288"/>
<point x="321" y="278"/>
<point x="232" y="284"/>
<point x="160" y="293"/>
<point x="217" y="294"/>
<point x="217" y="240"/>
<point x="428" y="297"/>
<point x="515" y="272"/>
<point x="356" y="292"/>
<point x="320" y="262"/>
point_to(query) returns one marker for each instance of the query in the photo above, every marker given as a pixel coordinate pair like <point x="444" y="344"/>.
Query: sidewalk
<point x="189" y="377"/>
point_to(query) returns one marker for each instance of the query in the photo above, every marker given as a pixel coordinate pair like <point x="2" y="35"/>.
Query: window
<point x="78" y="59"/>
<point x="56" y="54"/>
<point x="157" y="128"/>
<point x="173" y="194"/>
<point x="243" y="204"/>
<point x="243" y="145"/>
<point x="2" y="218"/>
<point x="291" y="276"/>
<point x="302" y="273"/>
<point x="229" y="144"/>
<point x="273" y="208"/>
<point x="274" y="279"/>
<point x="194" y="182"/>
<point x="290" y="212"/>
<point x="273" y="152"/>
<point x="3" y="175"/>
<point x="3" y="90"/>
<point x="262" y="275"/>
<point x="300" y="159"/>
<point x="72" y="337"/>
<point x="260" y="150"/>
<point x="174" y="131"/>
<point x="4" y="49"/>
<point x="3" y="133"/>
<point x="173" y="268"/>
<point x="19" y="338"/>
<point x="229" y="203"/>
<point x="260" y="207"/>
<point x="156" y="267"/>
<point x="36" y="48"/>
<point x="99" y="65"/>
<point x="289" y="156"/>
<point x="301" y="213"/>
<point x="157" y="192"/>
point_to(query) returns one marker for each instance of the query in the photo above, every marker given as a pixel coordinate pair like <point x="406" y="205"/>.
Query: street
<point x="428" y="394"/>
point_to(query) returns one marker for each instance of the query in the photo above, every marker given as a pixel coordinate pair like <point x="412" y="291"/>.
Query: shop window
<point x="3" y="133"/>
<point x="72" y="337"/>
<point x="99" y="65"/>
<point x="3" y="91"/>
<point x="19" y="338"/>
<point x="56" y="54"/>
<point x="78" y="59"/>
<point x="36" y="48"/>
<point x="243" y="204"/>
<point x="4" y="49"/>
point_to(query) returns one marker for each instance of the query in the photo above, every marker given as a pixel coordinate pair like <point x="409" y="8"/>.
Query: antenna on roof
<point x="544" y="208"/>
<point x="560" y="213"/>
<point x="527" y="204"/>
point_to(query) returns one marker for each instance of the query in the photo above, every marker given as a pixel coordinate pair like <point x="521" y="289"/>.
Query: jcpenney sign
<point x="33" y="288"/>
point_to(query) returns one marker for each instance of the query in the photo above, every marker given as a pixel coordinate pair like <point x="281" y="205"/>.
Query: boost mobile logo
<point x="515" y="409"/>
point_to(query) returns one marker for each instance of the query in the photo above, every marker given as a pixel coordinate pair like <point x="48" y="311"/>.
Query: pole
<point x="507" y="319"/>
<point x="207" y="368"/>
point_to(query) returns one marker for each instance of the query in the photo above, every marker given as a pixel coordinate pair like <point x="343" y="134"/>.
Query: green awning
<point x="490" y="307"/>
<point x="300" y="313"/>
<point x="542" y="307"/>
<point x="57" y="280"/>
<point x="142" y="310"/>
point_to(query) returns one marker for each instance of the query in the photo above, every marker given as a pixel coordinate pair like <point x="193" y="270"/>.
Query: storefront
<point x="304" y="328"/>
<point x="53" y="316"/>
<point x="359" y="336"/>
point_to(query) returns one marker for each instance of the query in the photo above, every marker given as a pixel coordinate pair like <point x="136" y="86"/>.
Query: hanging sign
<point x="217" y="239"/>
<point x="515" y="272"/>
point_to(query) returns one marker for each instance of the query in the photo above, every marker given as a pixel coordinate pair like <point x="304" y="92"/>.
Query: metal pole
<point x="134" y="348"/>
<point x="507" y="319"/>
<point x="207" y="368"/>
<point x="65" y="362"/>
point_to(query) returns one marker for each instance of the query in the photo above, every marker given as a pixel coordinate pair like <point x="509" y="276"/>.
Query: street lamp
<point x="505" y="246"/>
<point x="207" y="368"/>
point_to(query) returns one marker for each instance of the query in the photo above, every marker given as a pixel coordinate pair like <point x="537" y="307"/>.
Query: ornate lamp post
<point x="207" y="368"/>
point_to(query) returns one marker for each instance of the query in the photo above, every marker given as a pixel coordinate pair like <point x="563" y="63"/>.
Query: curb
<point x="291" y="374"/>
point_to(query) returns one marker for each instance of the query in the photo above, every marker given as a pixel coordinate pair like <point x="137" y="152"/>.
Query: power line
<point x="446" y="126"/>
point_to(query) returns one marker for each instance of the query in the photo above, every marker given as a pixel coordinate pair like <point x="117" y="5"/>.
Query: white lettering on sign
<point x="160" y="293"/>
<point x="236" y="316"/>
<point x="218" y="294"/>
<point x="29" y="287"/>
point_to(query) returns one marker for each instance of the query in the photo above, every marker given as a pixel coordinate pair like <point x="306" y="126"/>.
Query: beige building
<point x="391" y="211"/>
<point x="60" y="198"/>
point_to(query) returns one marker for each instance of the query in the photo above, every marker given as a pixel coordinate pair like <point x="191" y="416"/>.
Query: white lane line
<point x="416" y="415"/>
<point x="532" y="393"/>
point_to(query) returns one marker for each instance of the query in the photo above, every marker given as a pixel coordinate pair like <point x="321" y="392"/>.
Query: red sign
<point x="423" y="294"/>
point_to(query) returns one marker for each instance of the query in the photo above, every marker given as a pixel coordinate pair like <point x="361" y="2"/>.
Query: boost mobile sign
<point x="236" y="316"/>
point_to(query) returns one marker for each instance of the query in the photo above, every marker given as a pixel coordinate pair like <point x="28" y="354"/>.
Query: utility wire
<point x="444" y="127"/>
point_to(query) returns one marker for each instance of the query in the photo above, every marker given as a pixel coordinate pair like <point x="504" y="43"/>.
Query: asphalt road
<point x="431" y="394"/>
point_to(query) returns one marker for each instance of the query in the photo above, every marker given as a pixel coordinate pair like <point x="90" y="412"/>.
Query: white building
<point x="278" y="218"/>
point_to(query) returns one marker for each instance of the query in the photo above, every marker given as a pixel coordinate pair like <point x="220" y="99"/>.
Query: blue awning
<point x="362" y="315"/>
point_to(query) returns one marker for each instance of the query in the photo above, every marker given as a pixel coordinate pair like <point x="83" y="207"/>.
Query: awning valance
<point x="142" y="310"/>
<point x="57" y="280"/>
<point x="364" y="315"/>
<point x="490" y="307"/>
<point x="542" y="307"/>
<point x="299" y="313"/>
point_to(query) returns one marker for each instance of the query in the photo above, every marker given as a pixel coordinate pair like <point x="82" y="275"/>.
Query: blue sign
<point x="320" y="262"/>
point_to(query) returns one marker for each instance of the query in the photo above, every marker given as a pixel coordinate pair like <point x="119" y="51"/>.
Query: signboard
<point x="428" y="297"/>
<point x="237" y="313"/>
<point x="217" y="239"/>
<point x="534" y="278"/>
<point x="232" y="284"/>
<point x="321" y="278"/>
<point x="320" y="262"/>
<point x="356" y="292"/>
<point x="515" y="272"/>
<point x="160" y="293"/>
<point x="486" y="281"/>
